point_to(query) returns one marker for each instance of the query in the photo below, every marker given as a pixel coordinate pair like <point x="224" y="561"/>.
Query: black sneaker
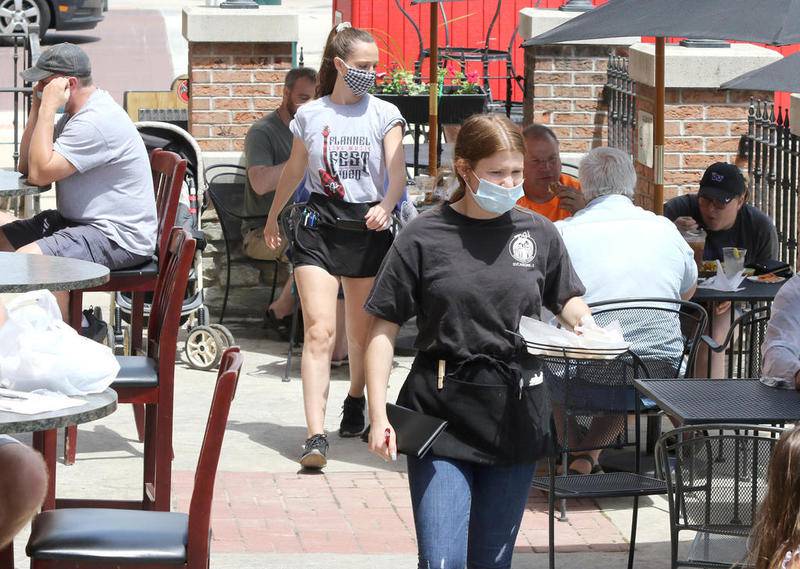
<point x="352" y="424"/>
<point x="315" y="451"/>
<point x="97" y="329"/>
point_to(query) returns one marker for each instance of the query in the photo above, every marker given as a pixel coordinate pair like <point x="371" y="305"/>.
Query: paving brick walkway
<point x="359" y="512"/>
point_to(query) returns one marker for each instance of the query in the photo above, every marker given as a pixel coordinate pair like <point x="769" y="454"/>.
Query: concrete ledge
<point x="697" y="67"/>
<point x="214" y="157"/>
<point x="536" y="21"/>
<point x="267" y="24"/>
<point x="794" y="114"/>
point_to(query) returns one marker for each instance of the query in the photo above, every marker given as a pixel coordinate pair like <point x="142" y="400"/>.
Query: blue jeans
<point x="466" y="515"/>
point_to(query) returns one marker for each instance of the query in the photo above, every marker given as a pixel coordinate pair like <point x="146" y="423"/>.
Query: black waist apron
<point x="343" y="251"/>
<point x="498" y="412"/>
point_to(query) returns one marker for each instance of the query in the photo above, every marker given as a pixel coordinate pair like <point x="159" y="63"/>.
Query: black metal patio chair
<point x="664" y="333"/>
<point x="583" y="391"/>
<point x="716" y="478"/>
<point x="742" y="343"/>
<point x="225" y="184"/>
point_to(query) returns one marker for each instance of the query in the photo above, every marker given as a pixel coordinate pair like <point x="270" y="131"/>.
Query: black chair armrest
<point x="712" y="344"/>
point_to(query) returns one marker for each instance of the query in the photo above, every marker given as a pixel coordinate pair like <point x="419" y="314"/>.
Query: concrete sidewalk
<point x="356" y="514"/>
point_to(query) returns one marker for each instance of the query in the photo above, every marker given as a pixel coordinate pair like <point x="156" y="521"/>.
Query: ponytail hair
<point x="480" y="137"/>
<point x="340" y="44"/>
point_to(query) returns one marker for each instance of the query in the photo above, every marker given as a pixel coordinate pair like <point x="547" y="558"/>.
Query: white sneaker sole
<point x="314" y="459"/>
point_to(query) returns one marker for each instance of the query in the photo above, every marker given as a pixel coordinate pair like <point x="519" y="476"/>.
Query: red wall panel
<point x="468" y="22"/>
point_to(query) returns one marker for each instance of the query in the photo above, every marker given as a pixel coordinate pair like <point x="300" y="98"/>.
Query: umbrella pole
<point x="433" y="95"/>
<point x="658" y="131"/>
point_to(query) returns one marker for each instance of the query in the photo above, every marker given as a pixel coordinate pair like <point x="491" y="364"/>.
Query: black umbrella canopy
<point x="773" y="22"/>
<point x="782" y="75"/>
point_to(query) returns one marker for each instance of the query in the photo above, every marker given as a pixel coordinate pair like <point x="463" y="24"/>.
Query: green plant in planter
<point x="401" y="81"/>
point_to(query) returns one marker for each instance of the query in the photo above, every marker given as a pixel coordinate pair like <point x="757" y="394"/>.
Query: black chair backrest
<point x="584" y="390"/>
<point x="225" y="186"/>
<point x="206" y="472"/>
<point x="663" y="332"/>
<point x="743" y="343"/>
<point x="716" y="475"/>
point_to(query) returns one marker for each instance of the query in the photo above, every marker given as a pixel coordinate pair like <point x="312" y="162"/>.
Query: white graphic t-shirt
<point x="345" y="147"/>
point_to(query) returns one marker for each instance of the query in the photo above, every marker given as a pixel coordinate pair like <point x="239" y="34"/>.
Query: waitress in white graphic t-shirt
<point x="348" y="145"/>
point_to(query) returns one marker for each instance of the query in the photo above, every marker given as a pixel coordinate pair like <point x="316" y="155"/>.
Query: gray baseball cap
<point x="61" y="59"/>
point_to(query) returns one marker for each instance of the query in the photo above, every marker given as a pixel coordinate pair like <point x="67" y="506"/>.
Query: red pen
<point x="387" y="433"/>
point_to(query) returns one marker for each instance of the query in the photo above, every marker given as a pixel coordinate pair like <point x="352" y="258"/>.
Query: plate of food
<point x="708" y="269"/>
<point x="766" y="278"/>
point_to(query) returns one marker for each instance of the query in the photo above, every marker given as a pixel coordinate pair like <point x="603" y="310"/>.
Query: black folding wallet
<point x="416" y="432"/>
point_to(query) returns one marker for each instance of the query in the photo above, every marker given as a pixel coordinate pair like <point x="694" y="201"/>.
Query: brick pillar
<point x="702" y="123"/>
<point x="232" y="86"/>
<point x="564" y="83"/>
<point x="235" y="75"/>
<point x="238" y="60"/>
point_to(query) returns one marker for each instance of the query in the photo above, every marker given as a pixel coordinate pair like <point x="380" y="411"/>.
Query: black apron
<point x="498" y="412"/>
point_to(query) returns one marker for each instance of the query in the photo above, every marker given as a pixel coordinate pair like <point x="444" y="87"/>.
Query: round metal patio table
<point x="13" y="185"/>
<point x="20" y="272"/>
<point x="97" y="406"/>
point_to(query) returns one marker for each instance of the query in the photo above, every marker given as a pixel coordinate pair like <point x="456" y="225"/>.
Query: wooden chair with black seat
<point x="149" y="379"/>
<point x="106" y="538"/>
<point x="168" y="173"/>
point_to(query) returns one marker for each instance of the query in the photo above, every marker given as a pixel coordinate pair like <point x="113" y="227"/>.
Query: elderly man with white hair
<point x="620" y="251"/>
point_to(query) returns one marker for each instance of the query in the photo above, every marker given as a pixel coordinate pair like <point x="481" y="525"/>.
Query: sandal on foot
<point x="596" y="468"/>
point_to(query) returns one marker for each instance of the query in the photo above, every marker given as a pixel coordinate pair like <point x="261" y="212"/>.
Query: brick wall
<point x="701" y="126"/>
<point x="231" y="86"/>
<point x="564" y="90"/>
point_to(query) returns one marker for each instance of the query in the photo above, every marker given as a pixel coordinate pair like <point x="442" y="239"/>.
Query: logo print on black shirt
<point x="522" y="248"/>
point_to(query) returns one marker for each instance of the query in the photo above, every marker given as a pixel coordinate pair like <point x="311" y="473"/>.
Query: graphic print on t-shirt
<point x="522" y="248"/>
<point x="344" y="158"/>
<point x="330" y="181"/>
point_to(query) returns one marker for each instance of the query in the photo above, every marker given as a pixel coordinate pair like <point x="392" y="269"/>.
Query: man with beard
<point x="267" y="148"/>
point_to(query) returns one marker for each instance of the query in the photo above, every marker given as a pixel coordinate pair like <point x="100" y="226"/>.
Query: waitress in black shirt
<point x="469" y="271"/>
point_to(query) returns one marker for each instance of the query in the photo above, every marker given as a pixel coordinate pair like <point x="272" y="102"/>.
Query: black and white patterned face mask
<point x="358" y="80"/>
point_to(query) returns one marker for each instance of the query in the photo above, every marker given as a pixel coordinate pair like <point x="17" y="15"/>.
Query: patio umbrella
<point x="782" y="75"/>
<point x="762" y="21"/>
<point x="433" y="101"/>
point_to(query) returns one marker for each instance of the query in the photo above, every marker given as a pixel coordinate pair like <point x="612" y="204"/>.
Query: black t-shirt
<point x="752" y="230"/>
<point x="469" y="280"/>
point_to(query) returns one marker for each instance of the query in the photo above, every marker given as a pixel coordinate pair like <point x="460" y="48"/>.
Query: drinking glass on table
<point x="696" y="238"/>
<point x="732" y="260"/>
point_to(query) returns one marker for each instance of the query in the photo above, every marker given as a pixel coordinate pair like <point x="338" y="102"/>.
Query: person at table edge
<point x="781" y="349"/>
<point x="720" y="209"/>
<point x="548" y="192"/>
<point x="106" y="209"/>
<point x="23" y="481"/>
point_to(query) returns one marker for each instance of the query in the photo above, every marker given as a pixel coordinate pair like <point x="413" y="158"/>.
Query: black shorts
<point x="342" y="252"/>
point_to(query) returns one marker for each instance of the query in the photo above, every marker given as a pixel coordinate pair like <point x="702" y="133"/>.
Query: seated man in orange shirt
<point x="547" y="191"/>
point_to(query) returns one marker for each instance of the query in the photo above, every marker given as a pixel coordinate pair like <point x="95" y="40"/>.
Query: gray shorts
<point x="59" y="237"/>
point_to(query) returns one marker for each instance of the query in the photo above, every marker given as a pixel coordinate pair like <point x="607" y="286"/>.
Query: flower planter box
<point x="453" y="109"/>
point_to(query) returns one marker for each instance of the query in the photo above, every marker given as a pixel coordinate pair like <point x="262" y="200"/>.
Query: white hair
<point x="605" y="171"/>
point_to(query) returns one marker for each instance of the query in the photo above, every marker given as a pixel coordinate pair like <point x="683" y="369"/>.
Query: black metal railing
<point x="620" y="96"/>
<point x="772" y="165"/>
<point x="25" y="52"/>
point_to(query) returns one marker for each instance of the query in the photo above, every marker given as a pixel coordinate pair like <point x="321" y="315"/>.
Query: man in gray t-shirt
<point x="106" y="209"/>
<point x="267" y="148"/>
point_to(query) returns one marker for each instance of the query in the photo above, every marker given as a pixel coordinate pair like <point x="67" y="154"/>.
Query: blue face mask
<point x="495" y="198"/>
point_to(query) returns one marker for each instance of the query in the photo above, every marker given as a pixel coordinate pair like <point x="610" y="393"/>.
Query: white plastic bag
<point x="39" y="351"/>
